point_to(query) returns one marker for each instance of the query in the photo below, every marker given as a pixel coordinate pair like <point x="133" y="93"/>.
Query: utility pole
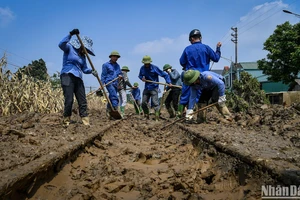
<point x="235" y="41"/>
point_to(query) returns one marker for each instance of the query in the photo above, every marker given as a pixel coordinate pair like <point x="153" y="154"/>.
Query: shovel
<point x="114" y="113"/>
<point x="178" y="120"/>
<point x="163" y="98"/>
<point x="162" y="83"/>
<point x="136" y="104"/>
<point x="102" y="88"/>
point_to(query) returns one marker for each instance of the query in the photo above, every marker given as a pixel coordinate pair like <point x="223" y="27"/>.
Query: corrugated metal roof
<point x="218" y="71"/>
<point x="258" y="74"/>
<point x="249" y="65"/>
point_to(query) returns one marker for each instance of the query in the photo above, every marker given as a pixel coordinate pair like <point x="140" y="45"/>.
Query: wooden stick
<point x="90" y="61"/>
<point x="163" y="83"/>
<point x="162" y="98"/>
<point x="138" y="107"/>
<point x="102" y="88"/>
<point x="210" y="105"/>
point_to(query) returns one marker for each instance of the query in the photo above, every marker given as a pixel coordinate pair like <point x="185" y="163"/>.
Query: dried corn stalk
<point x="26" y="94"/>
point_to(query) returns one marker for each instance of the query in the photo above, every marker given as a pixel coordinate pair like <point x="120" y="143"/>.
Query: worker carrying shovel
<point x="203" y="87"/>
<point x="122" y="89"/>
<point x="110" y="71"/>
<point x="150" y="72"/>
<point x="136" y="95"/>
<point x="173" y="96"/>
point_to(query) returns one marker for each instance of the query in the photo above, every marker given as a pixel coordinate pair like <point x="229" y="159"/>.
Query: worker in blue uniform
<point x="196" y="56"/>
<point x="204" y="87"/>
<point x="149" y="74"/>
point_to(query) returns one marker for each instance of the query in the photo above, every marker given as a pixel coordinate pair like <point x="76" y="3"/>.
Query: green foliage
<point x="282" y="63"/>
<point x="55" y="80"/>
<point x="246" y="93"/>
<point x="37" y="69"/>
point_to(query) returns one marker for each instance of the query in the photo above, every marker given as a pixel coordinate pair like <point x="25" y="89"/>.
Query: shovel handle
<point x="162" y="98"/>
<point x="178" y="120"/>
<point x="162" y="83"/>
<point x="90" y="61"/>
<point x="103" y="85"/>
<point x="135" y="103"/>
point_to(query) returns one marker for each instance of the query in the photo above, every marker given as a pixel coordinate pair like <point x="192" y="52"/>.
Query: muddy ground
<point x="134" y="159"/>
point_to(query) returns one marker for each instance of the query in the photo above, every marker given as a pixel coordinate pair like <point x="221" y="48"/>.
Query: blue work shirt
<point x="136" y="93"/>
<point x="208" y="80"/>
<point x="175" y="77"/>
<point x="110" y="71"/>
<point x="197" y="56"/>
<point x="151" y="73"/>
<point x="73" y="62"/>
<point x="185" y="92"/>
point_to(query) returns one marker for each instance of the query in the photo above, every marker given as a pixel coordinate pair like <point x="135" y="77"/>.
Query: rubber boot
<point x="85" y="121"/>
<point x="201" y="116"/>
<point x="122" y="109"/>
<point x="66" y="121"/>
<point x="146" y="112"/>
<point x="171" y="112"/>
<point x="141" y="111"/>
<point x="179" y="112"/>
<point x="225" y="112"/>
<point x="157" y="116"/>
<point x="137" y="111"/>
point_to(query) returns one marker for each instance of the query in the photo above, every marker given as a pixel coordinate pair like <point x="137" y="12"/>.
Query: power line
<point x="256" y="18"/>
<point x="227" y="35"/>
<point x="15" y="54"/>
<point x="13" y="65"/>
<point x="261" y="21"/>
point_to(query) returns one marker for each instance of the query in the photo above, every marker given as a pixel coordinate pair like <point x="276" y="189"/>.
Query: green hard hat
<point x="190" y="76"/>
<point x="146" y="60"/>
<point x="135" y="84"/>
<point x="167" y="66"/>
<point x="114" y="53"/>
<point x="125" y="68"/>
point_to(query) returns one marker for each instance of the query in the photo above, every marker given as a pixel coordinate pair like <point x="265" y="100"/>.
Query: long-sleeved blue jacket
<point x="151" y="73"/>
<point x="110" y="71"/>
<point x="208" y="80"/>
<point x="175" y="77"/>
<point x="136" y="93"/>
<point x="197" y="56"/>
<point x="73" y="62"/>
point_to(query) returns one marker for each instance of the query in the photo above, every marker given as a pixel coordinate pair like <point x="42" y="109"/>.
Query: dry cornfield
<point x="26" y="94"/>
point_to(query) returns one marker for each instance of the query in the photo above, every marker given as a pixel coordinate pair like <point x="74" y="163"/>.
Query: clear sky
<point x="31" y="30"/>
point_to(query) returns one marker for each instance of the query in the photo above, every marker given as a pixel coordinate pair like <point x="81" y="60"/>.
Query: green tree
<point x="37" y="69"/>
<point x="55" y="80"/>
<point x="283" y="59"/>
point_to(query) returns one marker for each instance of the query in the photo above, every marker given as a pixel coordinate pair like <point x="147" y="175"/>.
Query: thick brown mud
<point x="134" y="159"/>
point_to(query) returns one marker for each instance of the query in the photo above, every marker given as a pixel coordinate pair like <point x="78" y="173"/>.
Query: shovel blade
<point x="115" y="114"/>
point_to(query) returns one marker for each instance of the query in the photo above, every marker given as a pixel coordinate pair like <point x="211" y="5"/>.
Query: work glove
<point x="95" y="73"/>
<point x="222" y="100"/>
<point x="189" y="115"/>
<point x="74" y="31"/>
<point x="169" y="70"/>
